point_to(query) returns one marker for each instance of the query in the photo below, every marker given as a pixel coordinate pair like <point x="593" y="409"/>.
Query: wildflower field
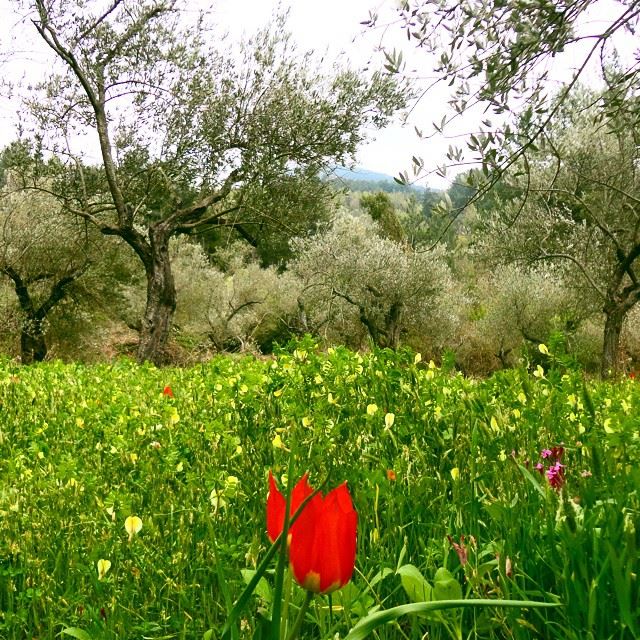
<point x="133" y="499"/>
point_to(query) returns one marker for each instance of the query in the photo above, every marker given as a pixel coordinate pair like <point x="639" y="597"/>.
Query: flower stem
<point x="276" y="612"/>
<point x="301" y="614"/>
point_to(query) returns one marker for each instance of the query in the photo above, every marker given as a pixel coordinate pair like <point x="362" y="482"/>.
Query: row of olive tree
<point x="350" y="284"/>
<point x="191" y="137"/>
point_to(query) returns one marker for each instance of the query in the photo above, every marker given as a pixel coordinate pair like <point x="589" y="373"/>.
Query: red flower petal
<point x="276" y="505"/>
<point x="275" y="510"/>
<point x="323" y="544"/>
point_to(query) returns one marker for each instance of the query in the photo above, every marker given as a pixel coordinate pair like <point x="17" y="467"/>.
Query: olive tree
<point x="512" y="309"/>
<point x="49" y="258"/>
<point x="580" y="208"/>
<point x="496" y="61"/>
<point x="353" y="275"/>
<point x="185" y="129"/>
<point x="232" y="303"/>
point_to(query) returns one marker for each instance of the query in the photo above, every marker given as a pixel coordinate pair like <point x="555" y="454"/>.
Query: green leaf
<point x="76" y="632"/>
<point x="381" y="575"/>
<point x="262" y="588"/>
<point x="445" y="586"/>
<point x="374" y="620"/>
<point x="526" y="473"/>
<point x="414" y="583"/>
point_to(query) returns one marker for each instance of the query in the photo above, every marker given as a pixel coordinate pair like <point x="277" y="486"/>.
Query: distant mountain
<point x="359" y="176"/>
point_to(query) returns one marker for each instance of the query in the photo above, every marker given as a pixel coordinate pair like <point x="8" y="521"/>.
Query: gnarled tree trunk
<point x="161" y="299"/>
<point x="616" y="310"/>
<point x="33" y="346"/>
<point x="610" y="365"/>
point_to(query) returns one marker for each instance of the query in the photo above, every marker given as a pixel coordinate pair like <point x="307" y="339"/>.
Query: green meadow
<point x="450" y="477"/>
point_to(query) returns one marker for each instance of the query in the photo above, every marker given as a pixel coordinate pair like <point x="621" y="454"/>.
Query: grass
<point x="84" y="447"/>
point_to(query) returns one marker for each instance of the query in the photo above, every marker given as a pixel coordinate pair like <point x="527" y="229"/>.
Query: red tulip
<point x="276" y="505"/>
<point x="167" y="392"/>
<point x="322" y="541"/>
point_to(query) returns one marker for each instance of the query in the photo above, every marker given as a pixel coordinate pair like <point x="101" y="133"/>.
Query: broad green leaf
<point x="414" y="583"/>
<point x="445" y="586"/>
<point x="76" y="632"/>
<point x="369" y="624"/>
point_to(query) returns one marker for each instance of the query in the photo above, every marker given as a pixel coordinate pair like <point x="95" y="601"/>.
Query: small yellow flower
<point x="231" y="484"/>
<point x="372" y="409"/>
<point x="389" y="419"/>
<point x="217" y="500"/>
<point x="132" y="525"/>
<point x="455" y="473"/>
<point x="539" y="372"/>
<point x="306" y="421"/>
<point x="417" y="358"/>
<point x="494" y="424"/>
<point x="542" y="348"/>
<point x="103" y="567"/>
<point x="277" y="442"/>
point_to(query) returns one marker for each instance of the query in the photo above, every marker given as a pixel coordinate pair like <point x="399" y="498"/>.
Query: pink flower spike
<point x="546" y="453"/>
<point x="555" y="475"/>
<point x="539" y="467"/>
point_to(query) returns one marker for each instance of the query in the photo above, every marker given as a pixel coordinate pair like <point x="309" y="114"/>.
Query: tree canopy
<point x="188" y="132"/>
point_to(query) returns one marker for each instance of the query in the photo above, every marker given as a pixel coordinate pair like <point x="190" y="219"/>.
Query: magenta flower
<point x="555" y="475"/>
<point x="546" y="453"/>
<point x="539" y="467"/>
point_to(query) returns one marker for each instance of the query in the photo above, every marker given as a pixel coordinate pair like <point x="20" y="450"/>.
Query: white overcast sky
<point x="330" y="27"/>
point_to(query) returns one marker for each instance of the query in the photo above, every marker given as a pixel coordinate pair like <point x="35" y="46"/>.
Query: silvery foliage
<point x="515" y="309"/>
<point x="352" y="278"/>
<point x="238" y="305"/>
<point x="42" y="245"/>
<point x="576" y="212"/>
